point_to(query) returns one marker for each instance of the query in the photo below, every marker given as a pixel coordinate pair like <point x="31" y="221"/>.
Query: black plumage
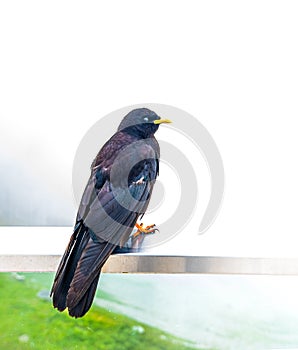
<point x="117" y="194"/>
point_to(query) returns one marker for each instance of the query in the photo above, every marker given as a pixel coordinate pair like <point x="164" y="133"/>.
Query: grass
<point x="30" y="322"/>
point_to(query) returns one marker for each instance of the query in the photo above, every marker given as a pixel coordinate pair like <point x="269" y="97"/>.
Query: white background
<point x="231" y="64"/>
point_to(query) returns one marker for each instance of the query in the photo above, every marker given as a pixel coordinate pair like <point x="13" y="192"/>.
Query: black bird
<point x="117" y="194"/>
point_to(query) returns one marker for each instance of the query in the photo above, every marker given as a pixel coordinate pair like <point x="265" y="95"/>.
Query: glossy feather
<point x="116" y="195"/>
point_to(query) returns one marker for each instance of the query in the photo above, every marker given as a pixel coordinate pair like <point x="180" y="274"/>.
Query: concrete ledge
<point x="136" y="263"/>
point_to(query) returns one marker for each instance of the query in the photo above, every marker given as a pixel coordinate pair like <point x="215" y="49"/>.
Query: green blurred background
<point x="154" y="312"/>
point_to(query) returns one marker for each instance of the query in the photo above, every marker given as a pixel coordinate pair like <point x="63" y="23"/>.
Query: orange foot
<point x="147" y="230"/>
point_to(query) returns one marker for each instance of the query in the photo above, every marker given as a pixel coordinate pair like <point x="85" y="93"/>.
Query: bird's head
<point x="142" y="122"/>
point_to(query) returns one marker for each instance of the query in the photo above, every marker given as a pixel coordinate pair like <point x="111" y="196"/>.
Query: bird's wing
<point x="114" y="209"/>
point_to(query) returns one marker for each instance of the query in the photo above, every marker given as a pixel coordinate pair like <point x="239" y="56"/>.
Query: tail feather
<point x="85" y="303"/>
<point x="88" y="268"/>
<point x="67" y="268"/>
<point x="77" y="276"/>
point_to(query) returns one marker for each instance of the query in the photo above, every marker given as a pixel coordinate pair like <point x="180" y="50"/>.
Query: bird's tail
<point x="77" y="276"/>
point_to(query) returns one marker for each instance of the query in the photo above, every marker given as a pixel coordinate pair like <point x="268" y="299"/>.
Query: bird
<point x="116" y="196"/>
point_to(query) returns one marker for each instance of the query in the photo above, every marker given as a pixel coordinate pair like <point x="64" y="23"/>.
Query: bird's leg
<point x="138" y="237"/>
<point x="134" y="244"/>
<point x="146" y="230"/>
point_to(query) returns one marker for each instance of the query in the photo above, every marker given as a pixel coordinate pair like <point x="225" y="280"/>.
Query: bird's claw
<point x="134" y="244"/>
<point x="147" y="230"/>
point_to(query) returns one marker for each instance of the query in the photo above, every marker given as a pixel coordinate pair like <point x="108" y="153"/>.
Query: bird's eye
<point x="146" y="119"/>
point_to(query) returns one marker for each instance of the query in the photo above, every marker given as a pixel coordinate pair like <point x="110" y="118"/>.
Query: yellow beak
<point x="161" y="121"/>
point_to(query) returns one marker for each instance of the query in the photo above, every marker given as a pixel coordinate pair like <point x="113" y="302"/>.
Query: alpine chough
<point x="117" y="194"/>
